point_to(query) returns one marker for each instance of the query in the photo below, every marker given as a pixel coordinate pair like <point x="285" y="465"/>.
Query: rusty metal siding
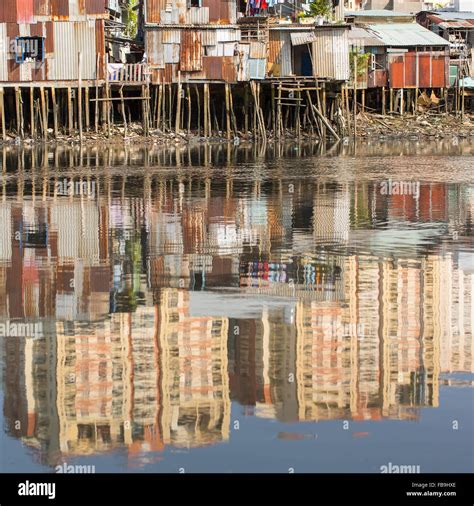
<point x="7" y="11"/>
<point x="377" y="79"/>
<point x="279" y="54"/>
<point x="258" y="50"/>
<point x="154" y="48"/>
<point x="171" y="36"/>
<point x="41" y="8"/>
<point x="153" y="10"/>
<point x="221" y="11"/>
<point x="209" y="37"/>
<point x="73" y="37"/>
<point x="331" y="53"/>
<point x="396" y="71"/>
<point x="229" y="69"/>
<point x="24" y="11"/>
<point x="212" y="66"/>
<point x="3" y="53"/>
<point x="191" y="51"/>
<point x="274" y="50"/>
<point x="171" y="53"/>
<point x="59" y="9"/>
<point x="197" y="16"/>
<point x="418" y="70"/>
<point x="96" y="7"/>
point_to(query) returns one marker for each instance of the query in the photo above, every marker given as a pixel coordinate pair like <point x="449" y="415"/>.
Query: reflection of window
<point x="29" y="49"/>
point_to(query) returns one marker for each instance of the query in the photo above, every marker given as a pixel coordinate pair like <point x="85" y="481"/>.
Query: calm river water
<point x="228" y="309"/>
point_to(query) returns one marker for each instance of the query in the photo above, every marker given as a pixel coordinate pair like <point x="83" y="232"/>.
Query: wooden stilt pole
<point x="227" y="111"/>
<point x="188" y="99"/>
<point x="43" y="114"/>
<point x="198" y="102"/>
<point x="206" y="122"/>
<point x="55" y="112"/>
<point x="19" y="126"/>
<point x="86" y="107"/>
<point x="178" y="108"/>
<point x="69" y="110"/>
<point x="383" y="100"/>
<point x="2" y="107"/>
<point x="124" y="115"/>
<point x="32" y="112"/>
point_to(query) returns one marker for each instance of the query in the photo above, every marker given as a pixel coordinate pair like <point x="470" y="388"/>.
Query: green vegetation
<point x="320" y="8"/>
<point x="131" y="19"/>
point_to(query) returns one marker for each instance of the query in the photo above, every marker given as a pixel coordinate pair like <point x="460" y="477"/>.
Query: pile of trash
<point x="422" y="125"/>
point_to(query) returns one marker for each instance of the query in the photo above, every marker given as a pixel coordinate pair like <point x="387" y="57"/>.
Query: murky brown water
<point x="223" y="309"/>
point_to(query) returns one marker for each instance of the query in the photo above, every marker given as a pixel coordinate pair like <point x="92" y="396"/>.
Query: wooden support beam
<point x="2" y="112"/>
<point x="32" y="112"/>
<point x="55" y="111"/>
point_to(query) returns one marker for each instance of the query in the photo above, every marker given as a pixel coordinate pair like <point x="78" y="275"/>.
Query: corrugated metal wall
<point x="73" y="37"/>
<point x="418" y="69"/>
<point x="3" y="52"/>
<point x="280" y="61"/>
<point x="331" y="54"/>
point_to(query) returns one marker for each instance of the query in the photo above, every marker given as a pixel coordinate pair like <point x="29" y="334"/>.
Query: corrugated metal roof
<point x="300" y="38"/>
<point x="406" y="35"/>
<point x="452" y="15"/>
<point x="382" y="13"/>
<point x="359" y="36"/>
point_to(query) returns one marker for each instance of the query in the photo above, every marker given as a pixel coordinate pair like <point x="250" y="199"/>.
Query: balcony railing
<point x="127" y="73"/>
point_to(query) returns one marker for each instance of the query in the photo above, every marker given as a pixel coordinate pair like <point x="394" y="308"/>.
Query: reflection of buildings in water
<point x="367" y="340"/>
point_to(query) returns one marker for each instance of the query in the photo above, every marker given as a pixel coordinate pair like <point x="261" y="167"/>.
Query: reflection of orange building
<point x="196" y="403"/>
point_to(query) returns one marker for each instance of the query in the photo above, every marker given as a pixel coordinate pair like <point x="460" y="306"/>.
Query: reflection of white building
<point x="77" y="225"/>
<point x="331" y="216"/>
<point x="6" y="232"/>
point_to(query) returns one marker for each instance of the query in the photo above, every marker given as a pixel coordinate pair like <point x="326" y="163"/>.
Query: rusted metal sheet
<point x="209" y="37"/>
<point x="258" y="50"/>
<point x="331" y="53"/>
<point x="221" y="12"/>
<point x="410" y="70"/>
<point x="418" y="70"/>
<point x="197" y="16"/>
<point x="153" y="10"/>
<point x="377" y="78"/>
<point x="397" y="71"/>
<point x="171" y="36"/>
<point x="154" y="48"/>
<point x="274" y="51"/>
<point x="424" y="70"/>
<point x="229" y="70"/>
<point x="96" y="7"/>
<point x="212" y="67"/>
<point x="42" y="8"/>
<point x="279" y="54"/>
<point x="7" y="11"/>
<point x="191" y="51"/>
<point x="100" y="48"/>
<point x="24" y="12"/>
<point x="440" y="71"/>
<point x="59" y="9"/>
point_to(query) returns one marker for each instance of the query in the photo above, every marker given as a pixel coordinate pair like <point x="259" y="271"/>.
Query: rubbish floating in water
<point x="296" y="436"/>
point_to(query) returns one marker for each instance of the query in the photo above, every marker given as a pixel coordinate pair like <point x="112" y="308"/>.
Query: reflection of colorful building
<point x="196" y="404"/>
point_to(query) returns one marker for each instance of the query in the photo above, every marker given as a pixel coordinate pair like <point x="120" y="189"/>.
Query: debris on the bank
<point x="423" y="125"/>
